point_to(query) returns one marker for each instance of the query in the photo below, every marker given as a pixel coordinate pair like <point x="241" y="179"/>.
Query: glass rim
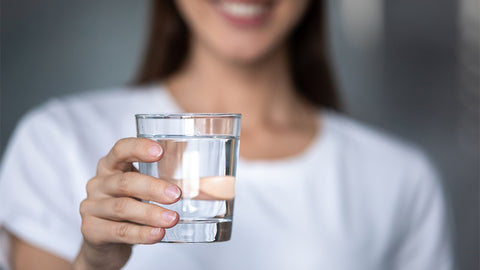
<point x="186" y="115"/>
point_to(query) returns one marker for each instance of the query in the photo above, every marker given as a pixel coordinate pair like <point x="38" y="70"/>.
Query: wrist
<point x="105" y="257"/>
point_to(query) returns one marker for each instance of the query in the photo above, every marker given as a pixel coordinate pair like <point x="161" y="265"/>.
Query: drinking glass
<point x="200" y="156"/>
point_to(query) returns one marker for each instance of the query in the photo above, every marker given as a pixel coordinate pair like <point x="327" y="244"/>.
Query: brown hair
<point x="167" y="49"/>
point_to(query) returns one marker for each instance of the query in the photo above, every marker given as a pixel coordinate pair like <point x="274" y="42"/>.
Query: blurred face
<point x="241" y="31"/>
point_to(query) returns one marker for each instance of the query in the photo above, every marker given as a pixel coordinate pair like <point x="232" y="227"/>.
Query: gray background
<point x="407" y="81"/>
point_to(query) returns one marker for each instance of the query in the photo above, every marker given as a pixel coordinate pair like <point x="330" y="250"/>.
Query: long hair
<point x="169" y="38"/>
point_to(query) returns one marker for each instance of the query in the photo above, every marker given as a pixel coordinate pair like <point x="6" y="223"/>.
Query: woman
<point x="315" y="190"/>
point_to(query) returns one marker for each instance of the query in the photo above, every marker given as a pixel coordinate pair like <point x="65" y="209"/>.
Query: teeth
<point x="242" y="9"/>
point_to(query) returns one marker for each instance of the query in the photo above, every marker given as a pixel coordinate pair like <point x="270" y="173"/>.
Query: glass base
<point x="199" y="231"/>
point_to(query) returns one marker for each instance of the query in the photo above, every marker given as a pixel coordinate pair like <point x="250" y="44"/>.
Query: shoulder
<point x="378" y="159"/>
<point x="108" y="105"/>
<point x="389" y="172"/>
<point x="371" y="144"/>
<point x="394" y="187"/>
<point x="102" y="100"/>
<point x="88" y="123"/>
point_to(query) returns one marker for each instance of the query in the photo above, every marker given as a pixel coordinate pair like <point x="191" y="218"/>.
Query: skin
<point x="245" y="70"/>
<point x="241" y="70"/>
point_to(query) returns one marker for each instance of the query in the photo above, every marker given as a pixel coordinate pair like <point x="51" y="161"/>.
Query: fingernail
<point x="155" y="150"/>
<point x="156" y="231"/>
<point x="169" y="216"/>
<point x="173" y="192"/>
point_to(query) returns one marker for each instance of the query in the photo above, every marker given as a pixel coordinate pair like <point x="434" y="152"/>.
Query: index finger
<point x="128" y="150"/>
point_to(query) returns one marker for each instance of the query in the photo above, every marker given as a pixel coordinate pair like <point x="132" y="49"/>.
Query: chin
<point x="245" y="59"/>
<point x="246" y="55"/>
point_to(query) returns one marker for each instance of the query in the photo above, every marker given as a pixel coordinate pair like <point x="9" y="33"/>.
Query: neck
<point x="262" y="91"/>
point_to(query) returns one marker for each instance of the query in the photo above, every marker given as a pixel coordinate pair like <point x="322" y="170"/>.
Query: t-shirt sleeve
<point x="37" y="201"/>
<point x="427" y="239"/>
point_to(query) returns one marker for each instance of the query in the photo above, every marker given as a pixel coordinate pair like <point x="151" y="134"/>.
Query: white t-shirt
<point x="356" y="199"/>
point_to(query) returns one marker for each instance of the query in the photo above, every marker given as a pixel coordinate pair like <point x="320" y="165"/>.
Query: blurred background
<point x="408" y="67"/>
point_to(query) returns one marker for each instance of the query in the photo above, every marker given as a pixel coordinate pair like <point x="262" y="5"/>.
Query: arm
<point x="38" y="203"/>
<point x="113" y="215"/>
<point x="427" y="240"/>
<point x="37" y="258"/>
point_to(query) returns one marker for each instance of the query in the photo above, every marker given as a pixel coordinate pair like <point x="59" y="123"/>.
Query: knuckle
<point x="119" y="206"/>
<point x="83" y="209"/>
<point x="85" y="227"/>
<point x="117" y="149"/>
<point x="102" y="166"/>
<point x="90" y="231"/>
<point x="123" y="183"/>
<point x="91" y="186"/>
<point x="101" y="163"/>
<point x="121" y="231"/>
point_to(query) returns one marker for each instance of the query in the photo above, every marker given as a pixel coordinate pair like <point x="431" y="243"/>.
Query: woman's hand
<point x="113" y="215"/>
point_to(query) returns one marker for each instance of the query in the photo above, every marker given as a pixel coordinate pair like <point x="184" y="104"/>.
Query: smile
<point x="243" y="9"/>
<point x="245" y="13"/>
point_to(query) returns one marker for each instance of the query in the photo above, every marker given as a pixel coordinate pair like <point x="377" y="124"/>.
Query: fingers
<point x="100" y="231"/>
<point x="111" y="213"/>
<point x="134" y="184"/>
<point x="131" y="210"/>
<point x="126" y="151"/>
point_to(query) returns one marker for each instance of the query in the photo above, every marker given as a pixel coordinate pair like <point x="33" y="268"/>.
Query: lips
<point x="242" y="9"/>
<point x="245" y="13"/>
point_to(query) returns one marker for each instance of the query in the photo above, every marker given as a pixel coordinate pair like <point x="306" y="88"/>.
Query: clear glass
<point x="200" y="156"/>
